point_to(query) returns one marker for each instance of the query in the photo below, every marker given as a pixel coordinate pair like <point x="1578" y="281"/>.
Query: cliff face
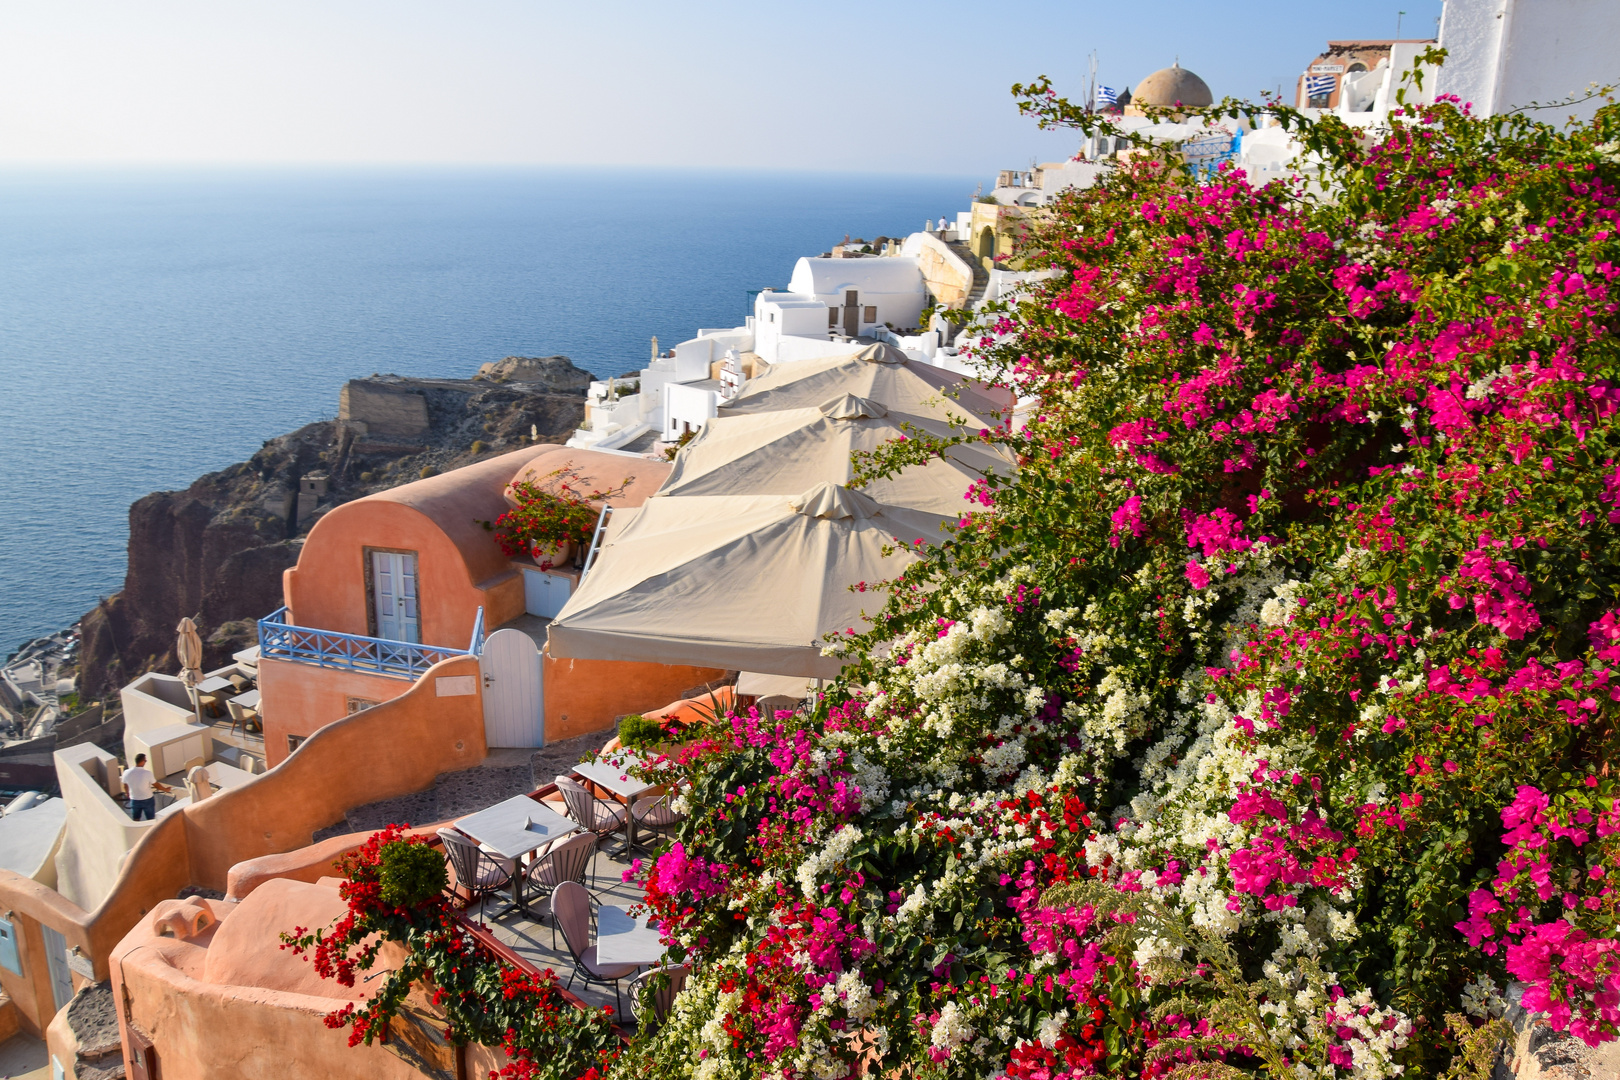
<point x="216" y="551"/>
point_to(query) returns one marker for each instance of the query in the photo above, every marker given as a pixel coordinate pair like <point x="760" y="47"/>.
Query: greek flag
<point x="1106" y="97"/>
<point x="1319" y="85"/>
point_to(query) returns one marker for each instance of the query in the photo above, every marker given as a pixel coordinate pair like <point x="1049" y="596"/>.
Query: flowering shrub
<point x="560" y="508"/>
<point x="395" y="895"/>
<point x="1260" y="723"/>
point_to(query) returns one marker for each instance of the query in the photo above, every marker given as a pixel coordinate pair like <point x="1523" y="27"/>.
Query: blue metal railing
<point x="281" y="640"/>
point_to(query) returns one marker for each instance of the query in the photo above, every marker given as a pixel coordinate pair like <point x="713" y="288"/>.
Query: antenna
<point x="1398" y="17"/>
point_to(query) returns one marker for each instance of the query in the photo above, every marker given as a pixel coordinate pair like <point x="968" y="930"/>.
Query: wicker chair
<point x="599" y="817"/>
<point x="571" y="908"/>
<point x="568" y="860"/>
<point x="477" y="872"/>
<point x="657" y="814"/>
<point x="660" y="984"/>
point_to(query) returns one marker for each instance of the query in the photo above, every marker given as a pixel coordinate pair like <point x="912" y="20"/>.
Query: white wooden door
<point x="544" y="594"/>
<point x="393" y="580"/>
<point x="56" y="960"/>
<point x="514" y="710"/>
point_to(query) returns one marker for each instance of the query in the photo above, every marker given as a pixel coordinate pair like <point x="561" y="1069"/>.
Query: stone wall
<point x="395" y="411"/>
<point x="949" y="279"/>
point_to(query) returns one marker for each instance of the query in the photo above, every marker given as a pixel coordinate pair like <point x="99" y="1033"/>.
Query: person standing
<point x="140" y="783"/>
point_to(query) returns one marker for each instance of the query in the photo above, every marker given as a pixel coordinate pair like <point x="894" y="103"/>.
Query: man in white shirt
<point x="140" y="783"/>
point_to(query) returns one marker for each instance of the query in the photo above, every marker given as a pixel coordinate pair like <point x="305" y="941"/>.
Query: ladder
<point x="596" y="541"/>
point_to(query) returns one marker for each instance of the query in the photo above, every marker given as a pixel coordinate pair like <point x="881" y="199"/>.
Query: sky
<point x="879" y="85"/>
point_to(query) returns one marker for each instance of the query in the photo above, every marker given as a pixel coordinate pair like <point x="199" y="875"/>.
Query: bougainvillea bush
<point x="558" y="511"/>
<point x="1261" y="723"/>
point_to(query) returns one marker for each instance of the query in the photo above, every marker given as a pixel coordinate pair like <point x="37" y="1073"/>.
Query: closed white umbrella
<point x="739" y="582"/>
<point x="188" y="648"/>
<point x="787" y="452"/>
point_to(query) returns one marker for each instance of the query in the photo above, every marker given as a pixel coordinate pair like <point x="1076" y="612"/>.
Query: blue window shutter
<point x="8" y="948"/>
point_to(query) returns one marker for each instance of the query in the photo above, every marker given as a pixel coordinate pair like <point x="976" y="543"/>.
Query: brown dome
<point x="1174" y="85"/>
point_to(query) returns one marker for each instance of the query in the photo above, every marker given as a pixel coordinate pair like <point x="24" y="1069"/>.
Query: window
<point x="294" y="742"/>
<point x="871" y="314"/>
<point x="832" y="316"/>
<point x="356" y="704"/>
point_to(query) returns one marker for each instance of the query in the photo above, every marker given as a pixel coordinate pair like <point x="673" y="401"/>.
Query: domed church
<point x="1168" y="87"/>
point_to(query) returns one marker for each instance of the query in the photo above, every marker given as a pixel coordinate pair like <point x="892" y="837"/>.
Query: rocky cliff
<point x="216" y="551"/>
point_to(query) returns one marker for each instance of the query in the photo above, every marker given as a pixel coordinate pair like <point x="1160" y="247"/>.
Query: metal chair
<point x="599" y="817"/>
<point x="657" y="814"/>
<point x="566" y="861"/>
<point x="660" y="984"/>
<point x="480" y="874"/>
<point x="571" y="910"/>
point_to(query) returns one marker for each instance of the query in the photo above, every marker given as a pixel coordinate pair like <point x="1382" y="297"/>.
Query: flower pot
<point x="558" y="555"/>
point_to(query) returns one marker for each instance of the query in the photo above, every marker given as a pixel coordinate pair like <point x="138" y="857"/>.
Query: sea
<point x="156" y="325"/>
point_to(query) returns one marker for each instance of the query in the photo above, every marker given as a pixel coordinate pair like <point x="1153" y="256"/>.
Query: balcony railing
<point x="281" y="640"/>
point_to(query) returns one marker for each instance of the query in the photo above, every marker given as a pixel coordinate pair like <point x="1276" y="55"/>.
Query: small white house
<point x="858" y="294"/>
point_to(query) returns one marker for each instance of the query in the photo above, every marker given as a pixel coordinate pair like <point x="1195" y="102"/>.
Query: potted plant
<point x="554" y="518"/>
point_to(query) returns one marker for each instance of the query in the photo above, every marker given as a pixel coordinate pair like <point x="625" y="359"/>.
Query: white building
<point x="833" y="306"/>
<point x="860" y="294"/>
<point x="1504" y="55"/>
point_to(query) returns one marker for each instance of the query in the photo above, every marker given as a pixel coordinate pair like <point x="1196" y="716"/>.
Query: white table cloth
<point x="624" y="939"/>
<point x="516" y="827"/>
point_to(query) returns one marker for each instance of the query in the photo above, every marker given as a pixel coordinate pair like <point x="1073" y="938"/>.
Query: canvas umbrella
<point x="879" y="372"/>
<point x="188" y="647"/>
<point x="787" y="452"/>
<point x="741" y="582"/>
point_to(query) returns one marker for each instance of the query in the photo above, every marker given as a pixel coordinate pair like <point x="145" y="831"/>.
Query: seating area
<point x="227" y="700"/>
<point x="544" y="874"/>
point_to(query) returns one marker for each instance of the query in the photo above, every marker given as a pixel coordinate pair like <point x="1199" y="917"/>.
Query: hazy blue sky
<point x="873" y="85"/>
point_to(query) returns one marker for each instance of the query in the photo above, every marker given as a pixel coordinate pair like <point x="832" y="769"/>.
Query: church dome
<point x="1174" y="85"/>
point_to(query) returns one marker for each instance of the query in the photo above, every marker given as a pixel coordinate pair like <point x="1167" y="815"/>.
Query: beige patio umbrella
<point x="188" y="647"/>
<point x="879" y="372"/>
<point x="787" y="452"/>
<point x="746" y="582"/>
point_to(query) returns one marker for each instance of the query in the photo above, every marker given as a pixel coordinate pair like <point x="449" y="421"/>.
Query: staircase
<point x="981" y="276"/>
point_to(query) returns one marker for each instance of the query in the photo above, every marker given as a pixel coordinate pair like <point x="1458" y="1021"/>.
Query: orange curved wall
<point x="327" y="589"/>
<point x="582" y="696"/>
<point x="395" y="749"/>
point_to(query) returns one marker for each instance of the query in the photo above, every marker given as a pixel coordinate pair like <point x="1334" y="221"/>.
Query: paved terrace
<point x="530" y="936"/>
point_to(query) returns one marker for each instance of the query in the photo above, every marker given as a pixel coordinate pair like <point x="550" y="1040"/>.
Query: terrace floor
<point x="530" y="936"/>
<point x="245" y="741"/>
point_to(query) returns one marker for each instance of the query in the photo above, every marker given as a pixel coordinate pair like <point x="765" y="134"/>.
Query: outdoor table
<point x="224" y="775"/>
<point x="249" y="700"/>
<point x="513" y="828"/>
<point x="613" y="773"/>
<point x="214" y="685"/>
<point x="623" y="939"/>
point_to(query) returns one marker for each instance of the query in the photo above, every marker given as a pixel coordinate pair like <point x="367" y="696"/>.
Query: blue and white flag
<point x="1107" y="96"/>
<point x="1320" y="85"/>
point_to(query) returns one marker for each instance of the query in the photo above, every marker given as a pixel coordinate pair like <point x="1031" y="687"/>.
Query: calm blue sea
<point x="155" y="326"/>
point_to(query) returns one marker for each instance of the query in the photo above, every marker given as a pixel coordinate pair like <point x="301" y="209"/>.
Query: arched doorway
<point x="985" y="246"/>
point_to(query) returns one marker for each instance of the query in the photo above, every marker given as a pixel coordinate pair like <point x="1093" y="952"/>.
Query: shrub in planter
<point x="394" y="891"/>
<point x="636" y="732"/>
